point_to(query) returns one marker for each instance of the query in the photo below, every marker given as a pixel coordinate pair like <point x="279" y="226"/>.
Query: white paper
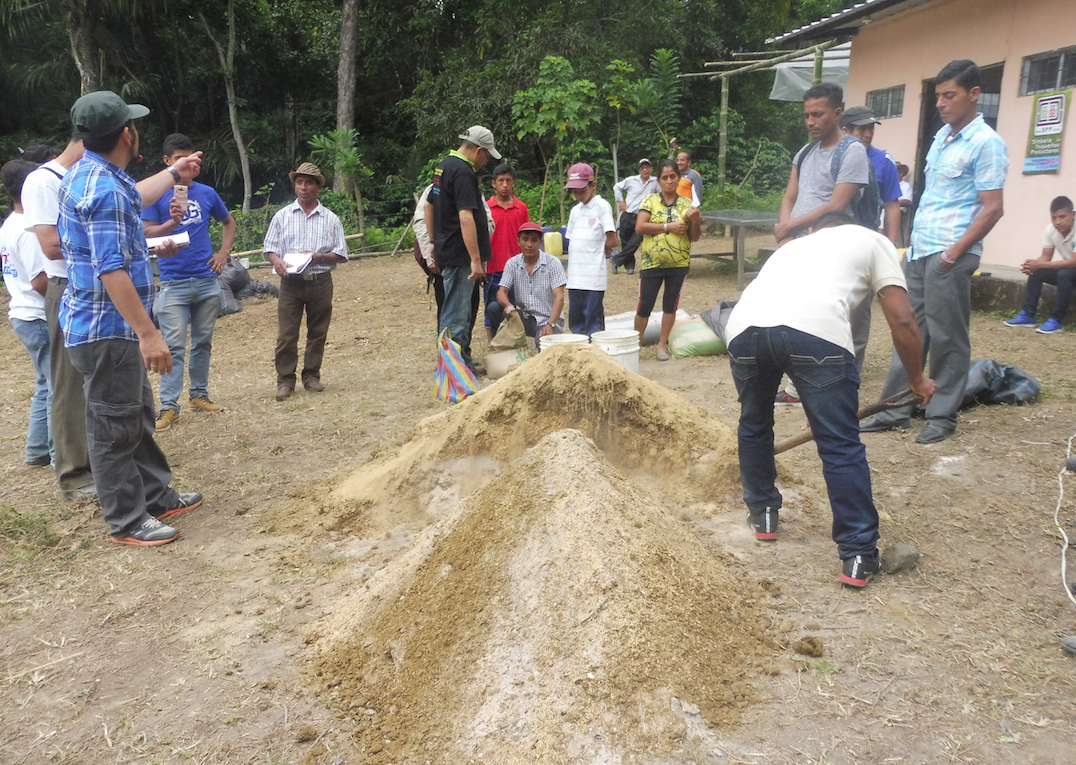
<point x="297" y="262"/>
<point x="181" y="240"/>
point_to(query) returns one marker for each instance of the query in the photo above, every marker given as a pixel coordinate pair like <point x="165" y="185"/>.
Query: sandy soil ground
<point x="196" y="651"/>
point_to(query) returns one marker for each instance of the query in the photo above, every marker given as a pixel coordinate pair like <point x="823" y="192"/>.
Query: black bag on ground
<point x="992" y="383"/>
<point x="228" y="303"/>
<point x="234" y="275"/>
<point x="718" y="316"/>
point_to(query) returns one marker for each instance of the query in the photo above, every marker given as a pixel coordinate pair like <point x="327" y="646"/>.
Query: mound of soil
<point x="553" y="615"/>
<point x="638" y="424"/>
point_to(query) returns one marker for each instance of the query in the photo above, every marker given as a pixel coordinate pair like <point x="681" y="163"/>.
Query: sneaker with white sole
<point x="858" y="570"/>
<point x="783" y="399"/>
<point x="203" y="404"/>
<point x="1049" y="327"/>
<point x="764" y="523"/>
<point x="1022" y="319"/>
<point x="150" y="534"/>
<point x="165" y="418"/>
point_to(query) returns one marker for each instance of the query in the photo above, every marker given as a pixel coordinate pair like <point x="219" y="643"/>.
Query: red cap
<point x="529" y="226"/>
<point x="579" y="176"/>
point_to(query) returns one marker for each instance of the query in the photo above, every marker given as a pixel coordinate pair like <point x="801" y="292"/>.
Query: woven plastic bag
<point x="453" y="381"/>
<point x="511" y="335"/>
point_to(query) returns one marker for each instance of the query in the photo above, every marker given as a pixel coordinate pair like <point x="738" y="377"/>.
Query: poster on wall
<point x="1047" y="132"/>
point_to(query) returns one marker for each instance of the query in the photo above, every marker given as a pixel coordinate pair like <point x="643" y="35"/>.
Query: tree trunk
<point x="345" y="77"/>
<point x="82" y="32"/>
<point x="227" y="62"/>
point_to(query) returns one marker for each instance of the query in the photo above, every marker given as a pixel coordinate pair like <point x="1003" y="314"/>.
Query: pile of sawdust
<point x="638" y="424"/>
<point x="553" y="615"/>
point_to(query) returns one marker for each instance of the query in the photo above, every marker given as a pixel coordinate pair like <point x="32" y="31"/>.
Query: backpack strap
<point x="838" y="156"/>
<point x="804" y="153"/>
<point x="53" y="172"/>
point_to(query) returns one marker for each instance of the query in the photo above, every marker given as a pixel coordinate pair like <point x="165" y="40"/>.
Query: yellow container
<point x="554" y="244"/>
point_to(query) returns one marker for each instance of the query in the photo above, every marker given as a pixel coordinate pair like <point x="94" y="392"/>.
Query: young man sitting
<point x="532" y="283"/>
<point x="1058" y="236"/>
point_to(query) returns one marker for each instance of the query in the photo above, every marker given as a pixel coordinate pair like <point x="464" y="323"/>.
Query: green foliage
<point x="658" y="96"/>
<point x="754" y="164"/>
<point x="558" y="106"/>
<point x="338" y="148"/>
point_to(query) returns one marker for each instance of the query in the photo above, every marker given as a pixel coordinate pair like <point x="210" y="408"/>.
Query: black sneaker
<point x="764" y="523"/>
<point x="858" y="570"/>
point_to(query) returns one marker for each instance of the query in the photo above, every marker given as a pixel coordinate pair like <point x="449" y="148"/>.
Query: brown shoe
<point x="165" y="418"/>
<point x="283" y="392"/>
<point x="314" y="384"/>
<point x="204" y="404"/>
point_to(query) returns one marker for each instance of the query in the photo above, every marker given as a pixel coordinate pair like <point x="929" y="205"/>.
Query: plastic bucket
<point x="563" y="339"/>
<point x="621" y="344"/>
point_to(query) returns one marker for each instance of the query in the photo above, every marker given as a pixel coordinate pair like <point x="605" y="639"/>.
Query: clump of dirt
<point x="639" y="425"/>
<point x="809" y="646"/>
<point x="553" y="615"/>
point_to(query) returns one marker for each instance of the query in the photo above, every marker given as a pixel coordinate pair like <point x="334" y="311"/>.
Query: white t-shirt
<point x="41" y="205"/>
<point x="1063" y="245"/>
<point x="813" y="283"/>
<point x="22" y="260"/>
<point x="587" y="227"/>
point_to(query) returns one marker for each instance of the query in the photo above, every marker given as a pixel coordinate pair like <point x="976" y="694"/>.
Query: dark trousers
<point x="1065" y="281"/>
<point x="130" y="470"/>
<point x="629" y="241"/>
<point x="72" y="460"/>
<point x="316" y="298"/>
<point x="826" y="378"/>
<point x="586" y="311"/>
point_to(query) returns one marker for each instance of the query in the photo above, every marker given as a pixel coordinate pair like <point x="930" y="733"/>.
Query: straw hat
<point x="308" y="168"/>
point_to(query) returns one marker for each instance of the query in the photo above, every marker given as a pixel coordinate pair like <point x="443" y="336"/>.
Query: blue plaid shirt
<point x="100" y="232"/>
<point x="958" y="168"/>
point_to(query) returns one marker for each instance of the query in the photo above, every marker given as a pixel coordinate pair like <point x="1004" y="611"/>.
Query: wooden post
<point x="819" y="57"/>
<point x="723" y="141"/>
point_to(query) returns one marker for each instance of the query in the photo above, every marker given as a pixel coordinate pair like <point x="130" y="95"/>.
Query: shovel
<point x="893" y="402"/>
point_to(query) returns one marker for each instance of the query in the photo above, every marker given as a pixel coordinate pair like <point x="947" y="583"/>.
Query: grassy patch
<point x="24" y="535"/>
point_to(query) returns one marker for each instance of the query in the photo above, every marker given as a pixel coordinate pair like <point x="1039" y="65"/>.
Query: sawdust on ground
<point x="640" y="426"/>
<point x="554" y="614"/>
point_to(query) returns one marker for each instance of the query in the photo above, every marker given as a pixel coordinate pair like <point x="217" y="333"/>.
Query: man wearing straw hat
<point x="304" y="243"/>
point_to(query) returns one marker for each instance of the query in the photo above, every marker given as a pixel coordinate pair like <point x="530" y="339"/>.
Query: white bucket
<point x="563" y="339"/>
<point x="621" y="344"/>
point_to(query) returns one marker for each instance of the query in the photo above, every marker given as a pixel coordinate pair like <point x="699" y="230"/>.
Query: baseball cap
<point x="858" y="115"/>
<point x="481" y="136"/>
<point x="579" y="176"/>
<point x="98" y="114"/>
<point x="645" y="161"/>
<point x="530" y="226"/>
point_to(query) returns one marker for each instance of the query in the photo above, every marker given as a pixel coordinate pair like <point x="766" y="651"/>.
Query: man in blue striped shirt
<point x="106" y="322"/>
<point x="961" y="202"/>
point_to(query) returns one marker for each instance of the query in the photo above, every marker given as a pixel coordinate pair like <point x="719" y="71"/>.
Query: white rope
<point x="1057" y="524"/>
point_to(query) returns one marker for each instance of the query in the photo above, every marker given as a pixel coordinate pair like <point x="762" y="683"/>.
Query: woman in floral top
<point x="669" y="224"/>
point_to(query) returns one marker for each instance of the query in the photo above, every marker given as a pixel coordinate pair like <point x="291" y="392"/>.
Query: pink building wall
<point x="913" y="46"/>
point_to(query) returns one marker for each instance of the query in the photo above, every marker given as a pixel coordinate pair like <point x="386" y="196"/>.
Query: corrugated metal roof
<point x="845" y="22"/>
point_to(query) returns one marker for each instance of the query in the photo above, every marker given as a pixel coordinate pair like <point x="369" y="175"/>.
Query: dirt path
<point x="195" y="651"/>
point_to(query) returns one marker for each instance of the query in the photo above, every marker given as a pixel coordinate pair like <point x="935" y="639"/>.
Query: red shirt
<point x="505" y="239"/>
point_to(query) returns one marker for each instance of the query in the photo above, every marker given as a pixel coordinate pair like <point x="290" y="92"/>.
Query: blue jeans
<point x="193" y="302"/>
<point x="489" y="295"/>
<point x="456" y="313"/>
<point x="586" y="314"/>
<point x="34" y="334"/>
<point x="826" y="378"/>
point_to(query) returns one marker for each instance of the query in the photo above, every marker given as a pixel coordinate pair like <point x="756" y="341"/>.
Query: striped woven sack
<point x="454" y="381"/>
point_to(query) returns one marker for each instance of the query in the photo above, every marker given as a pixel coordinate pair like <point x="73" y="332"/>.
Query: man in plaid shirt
<point x="105" y="318"/>
<point x="962" y="200"/>
<point x="534" y="281"/>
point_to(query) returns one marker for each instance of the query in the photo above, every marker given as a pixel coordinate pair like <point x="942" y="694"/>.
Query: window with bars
<point x="887" y="102"/>
<point x="1044" y="72"/>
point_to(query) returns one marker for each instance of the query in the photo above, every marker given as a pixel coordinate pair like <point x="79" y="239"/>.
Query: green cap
<point x="98" y="114"/>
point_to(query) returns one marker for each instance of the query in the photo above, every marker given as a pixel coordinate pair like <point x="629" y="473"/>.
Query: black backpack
<point x="866" y="205"/>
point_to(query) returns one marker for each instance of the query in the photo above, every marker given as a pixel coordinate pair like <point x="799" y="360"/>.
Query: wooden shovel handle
<point x="893" y="402"/>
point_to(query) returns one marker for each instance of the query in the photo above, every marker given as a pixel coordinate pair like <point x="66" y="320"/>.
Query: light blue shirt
<point x="958" y="167"/>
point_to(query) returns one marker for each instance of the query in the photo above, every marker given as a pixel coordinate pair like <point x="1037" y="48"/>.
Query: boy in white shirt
<point x="25" y="279"/>
<point x="1059" y="237"/>
<point x="591" y="237"/>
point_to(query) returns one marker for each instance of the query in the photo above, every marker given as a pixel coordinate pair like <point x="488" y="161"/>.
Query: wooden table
<point x="740" y="220"/>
